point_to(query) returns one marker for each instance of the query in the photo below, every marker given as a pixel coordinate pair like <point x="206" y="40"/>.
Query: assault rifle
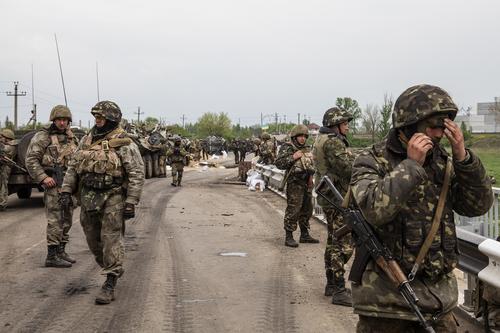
<point x="7" y="161"/>
<point x="368" y="246"/>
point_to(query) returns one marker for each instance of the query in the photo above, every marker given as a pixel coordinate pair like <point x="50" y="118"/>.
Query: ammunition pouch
<point x="99" y="181"/>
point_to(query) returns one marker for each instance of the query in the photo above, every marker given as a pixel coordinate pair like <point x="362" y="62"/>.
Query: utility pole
<point x="298" y="118"/>
<point x="183" y="120"/>
<point x="15" y="94"/>
<point x="261" y="120"/>
<point x="276" y="120"/>
<point x="138" y="114"/>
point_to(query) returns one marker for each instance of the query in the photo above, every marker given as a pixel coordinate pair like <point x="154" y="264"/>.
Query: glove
<point x="129" y="211"/>
<point x="65" y="200"/>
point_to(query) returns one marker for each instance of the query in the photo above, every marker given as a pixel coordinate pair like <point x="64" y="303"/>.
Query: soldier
<point x="234" y="146"/>
<point x="242" y="147"/>
<point x="397" y="184"/>
<point x="7" y="148"/>
<point x="177" y="156"/>
<point x="267" y="149"/>
<point x="47" y="159"/>
<point x="256" y="146"/>
<point x="295" y="157"/>
<point x="332" y="158"/>
<point x="107" y="172"/>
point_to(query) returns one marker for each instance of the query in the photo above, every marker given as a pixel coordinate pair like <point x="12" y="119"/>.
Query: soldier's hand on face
<point x="418" y="146"/>
<point x="49" y="182"/>
<point x="129" y="211"/>
<point x="298" y="154"/>
<point x="456" y="138"/>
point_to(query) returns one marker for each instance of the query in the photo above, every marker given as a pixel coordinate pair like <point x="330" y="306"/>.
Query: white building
<point x="487" y="119"/>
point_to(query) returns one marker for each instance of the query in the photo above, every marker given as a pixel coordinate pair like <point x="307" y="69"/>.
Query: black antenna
<point x="33" y="111"/>
<point x="60" y="69"/>
<point x="97" y="76"/>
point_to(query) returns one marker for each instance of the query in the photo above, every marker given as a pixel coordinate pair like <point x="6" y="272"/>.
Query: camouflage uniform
<point x="8" y="148"/>
<point x="49" y="150"/>
<point x="492" y="296"/>
<point x="298" y="187"/>
<point x="267" y="150"/>
<point x="398" y="197"/>
<point x="332" y="158"/>
<point x="107" y="172"/>
<point x="234" y="146"/>
<point x="177" y="156"/>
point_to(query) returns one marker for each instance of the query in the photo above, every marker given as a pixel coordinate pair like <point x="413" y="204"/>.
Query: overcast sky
<point x="244" y="57"/>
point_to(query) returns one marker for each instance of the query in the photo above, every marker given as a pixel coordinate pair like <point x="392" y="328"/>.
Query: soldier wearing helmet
<point x="397" y="184"/>
<point x="107" y="172"/>
<point x="295" y="157"/>
<point x="47" y="160"/>
<point x="7" y="149"/>
<point x="332" y="158"/>
<point x="177" y="158"/>
<point x="267" y="150"/>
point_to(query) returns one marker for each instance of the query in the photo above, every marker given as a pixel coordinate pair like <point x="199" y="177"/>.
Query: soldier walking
<point x="332" y="158"/>
<point x="47" y="159"/>
<point x="177" y="157"/>
<point x="107" y="173"/>
<point x="398" y="184"/>
<point x="295" y="157"/>
<point x="8" y="149"/>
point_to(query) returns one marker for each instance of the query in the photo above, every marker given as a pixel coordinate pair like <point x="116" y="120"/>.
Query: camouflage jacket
<point x="398" y="197"/>
<point x="131" y="167"/>
<point x="9" y="150"/>
<point x="176" y="154"/>
<point x="40" y="156"/>
<point x="332" y="158"/>
<point x="299" y="170"/>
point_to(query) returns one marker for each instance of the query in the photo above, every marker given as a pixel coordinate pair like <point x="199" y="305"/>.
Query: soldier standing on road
<point x="177" y="157"/>
<point x="107" y="173"/>
<point x="332" y="158"/>
<point x="267" y="149"/>
<point x="295" y="157"/>
<point x="397" y="184"/>
<point x="47" y="159"/>
<point x="236" y="150"/>
<point x="8" y="149"/>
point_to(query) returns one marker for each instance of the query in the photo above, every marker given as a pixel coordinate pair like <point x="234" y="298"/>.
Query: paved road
<point x="176" y="279"/>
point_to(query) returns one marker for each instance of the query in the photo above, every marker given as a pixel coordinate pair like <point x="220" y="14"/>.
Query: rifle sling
<point x="435" y="222"/>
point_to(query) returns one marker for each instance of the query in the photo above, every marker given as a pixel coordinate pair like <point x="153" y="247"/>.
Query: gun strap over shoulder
<point x="436" y="221"/>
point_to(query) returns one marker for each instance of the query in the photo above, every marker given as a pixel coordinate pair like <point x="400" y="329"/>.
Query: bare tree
<point x="371" y="120"/>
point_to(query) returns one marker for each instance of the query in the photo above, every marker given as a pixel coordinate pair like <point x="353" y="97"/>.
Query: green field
<point x="491" y="160"/>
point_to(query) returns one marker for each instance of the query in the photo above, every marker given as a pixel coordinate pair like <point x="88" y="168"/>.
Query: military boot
<point x="53" y="259"/>
<point x="305" y="237"/>
<point x="179" y="181"/>
<point x="173" y="184"/>
<point x="329" y="283"/>
<point x="289" y="241"/>
<point x="341" y="294"/>
<point x="107" y="293"/>
<point x="61" y="252"/>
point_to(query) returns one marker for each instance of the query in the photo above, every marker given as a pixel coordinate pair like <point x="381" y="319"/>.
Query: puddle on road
<point x="233" y="254"/>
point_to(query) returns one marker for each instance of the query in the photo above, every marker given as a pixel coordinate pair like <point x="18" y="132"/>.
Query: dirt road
<point x="177" y="278"/>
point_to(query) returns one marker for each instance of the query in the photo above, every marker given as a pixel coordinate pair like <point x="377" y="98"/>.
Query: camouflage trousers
<point x="445" y="324"/>
<point x="57" y="228"/>
<point x="162" y="163"/>
<point x="103" y="225"/>
<point x="236" y="156"/>
<point x="243" y="154"/>
<point x="177" y="170"/>
<point x="337" y="252"/>
<point x="4" y="181"/>
<point x="492" y="296"/>
<point x="299" y="206"/>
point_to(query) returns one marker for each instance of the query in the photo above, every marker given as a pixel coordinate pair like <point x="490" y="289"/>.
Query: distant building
<point x="487" y="119"/>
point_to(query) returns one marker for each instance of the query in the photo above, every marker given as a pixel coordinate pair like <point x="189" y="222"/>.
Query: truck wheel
<point x="156" y="166"/>
<point x="148" y="165"/>
<point x="24" y="193"/>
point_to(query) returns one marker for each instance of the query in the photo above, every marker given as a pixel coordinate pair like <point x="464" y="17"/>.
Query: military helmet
<point x="60" y="111"/>
<point x="335" y="116"/>
<point x="107" y="109"/>
<point x="299" y="130"/>
<point x="177" y="138"/>
<point x="420" y="102"/>
<point x="265" y="136"/>
<point x="256" y="141"/>
<point x="8" y="134"/>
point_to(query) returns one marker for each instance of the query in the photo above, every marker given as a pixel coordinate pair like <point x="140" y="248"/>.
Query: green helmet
<point x="60" y="111"/>
<point x="8" y="134"/>
<point x="299" y="130"/>
<point x="335" y="116"/>
<point x="420" y="102"/>
<point x="107" y="109"/>
<point x="265" y="136"/>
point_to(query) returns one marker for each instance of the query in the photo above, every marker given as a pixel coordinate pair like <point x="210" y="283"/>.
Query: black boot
<point x="53" y="260"/>
<point x="289" y="241"/>
<point x="305" y="237"/>
<point x="173" y="184"/>
<point x="329" y="283"/>
<point x="179" y="181"/>
<point x="341" y="294"/>
<point x="107" y="293"/>
<point x="61" y="252"/>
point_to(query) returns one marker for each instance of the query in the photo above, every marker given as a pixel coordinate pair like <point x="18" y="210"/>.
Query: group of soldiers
<point x="397" y="185"/>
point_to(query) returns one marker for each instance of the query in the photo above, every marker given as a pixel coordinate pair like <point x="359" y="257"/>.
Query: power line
<point x="15" y="94"/>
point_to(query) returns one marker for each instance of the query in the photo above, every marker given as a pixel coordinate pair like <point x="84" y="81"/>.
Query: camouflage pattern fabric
<point x="267" y="152"/>
<point x="176" y="154"/>
<point x="398" y="197"/>
<point x="335" y="116"/>
<point x="57" y="228"/>
<point x="444" y="324"/>
<point x="10" y="151"/>
<point x="107" y="109"/>
<point x="177" y="171"/>
<point x="492" y="296"/>
<point x="337" y="251"/>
